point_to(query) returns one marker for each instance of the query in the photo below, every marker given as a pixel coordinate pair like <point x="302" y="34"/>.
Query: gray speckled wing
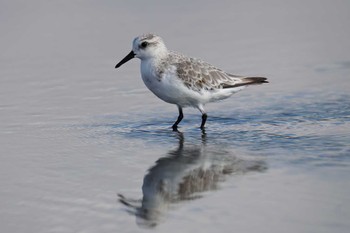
<point x="199" y="75"/>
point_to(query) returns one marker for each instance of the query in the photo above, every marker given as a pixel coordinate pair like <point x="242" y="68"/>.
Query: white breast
<point x="167" y="86"/>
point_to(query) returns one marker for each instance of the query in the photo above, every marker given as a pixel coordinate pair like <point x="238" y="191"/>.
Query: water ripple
<point x="293" y="126"/>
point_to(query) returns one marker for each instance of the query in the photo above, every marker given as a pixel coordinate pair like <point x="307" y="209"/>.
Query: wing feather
<point x="198" y="75"/>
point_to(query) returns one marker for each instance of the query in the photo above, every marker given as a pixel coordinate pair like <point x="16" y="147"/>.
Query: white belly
<point x="171" y="89"/>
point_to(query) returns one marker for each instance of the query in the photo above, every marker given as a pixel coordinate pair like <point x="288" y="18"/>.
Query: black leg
<point x="179" y="118"/>
<point x="204" y="119"/>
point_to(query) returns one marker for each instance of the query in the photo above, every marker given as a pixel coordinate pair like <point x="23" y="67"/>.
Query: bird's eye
<point x="144" y="44"/>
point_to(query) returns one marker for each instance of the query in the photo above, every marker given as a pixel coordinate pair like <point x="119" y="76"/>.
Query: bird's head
<point x="147" y="46"/>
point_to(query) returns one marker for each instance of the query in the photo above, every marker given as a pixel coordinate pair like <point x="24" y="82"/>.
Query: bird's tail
<point x="245" y="81"/>
<point x="254" y="80"/>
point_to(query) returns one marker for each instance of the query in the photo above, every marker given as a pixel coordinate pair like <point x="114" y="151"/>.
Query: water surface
<point x="87" y="148"/>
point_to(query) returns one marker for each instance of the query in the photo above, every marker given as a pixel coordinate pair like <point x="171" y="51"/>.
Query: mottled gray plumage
<point x="199" y="75"/>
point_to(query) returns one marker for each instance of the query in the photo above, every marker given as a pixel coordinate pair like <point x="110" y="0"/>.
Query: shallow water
<point x="87" y="148"/>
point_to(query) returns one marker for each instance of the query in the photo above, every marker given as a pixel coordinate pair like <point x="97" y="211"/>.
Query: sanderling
<point x="181" y="80"/>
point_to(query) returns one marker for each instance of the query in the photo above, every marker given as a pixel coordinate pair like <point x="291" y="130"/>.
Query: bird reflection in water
<point x="182" y="175"/>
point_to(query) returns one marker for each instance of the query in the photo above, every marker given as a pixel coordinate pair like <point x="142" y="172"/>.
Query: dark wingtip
<point x="256" y="80"/>
<point x="248" y="81"/>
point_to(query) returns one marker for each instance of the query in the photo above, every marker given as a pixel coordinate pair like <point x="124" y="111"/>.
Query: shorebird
<point x="182" y="80"/>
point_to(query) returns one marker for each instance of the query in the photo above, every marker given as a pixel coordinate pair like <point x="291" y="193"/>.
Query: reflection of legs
<point x="204" y="116"/>
<point x="179" y="118"/>
<point x="204" y="119"/>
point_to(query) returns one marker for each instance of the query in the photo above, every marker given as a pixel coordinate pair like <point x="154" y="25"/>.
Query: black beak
<point x="128" y="57"/>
